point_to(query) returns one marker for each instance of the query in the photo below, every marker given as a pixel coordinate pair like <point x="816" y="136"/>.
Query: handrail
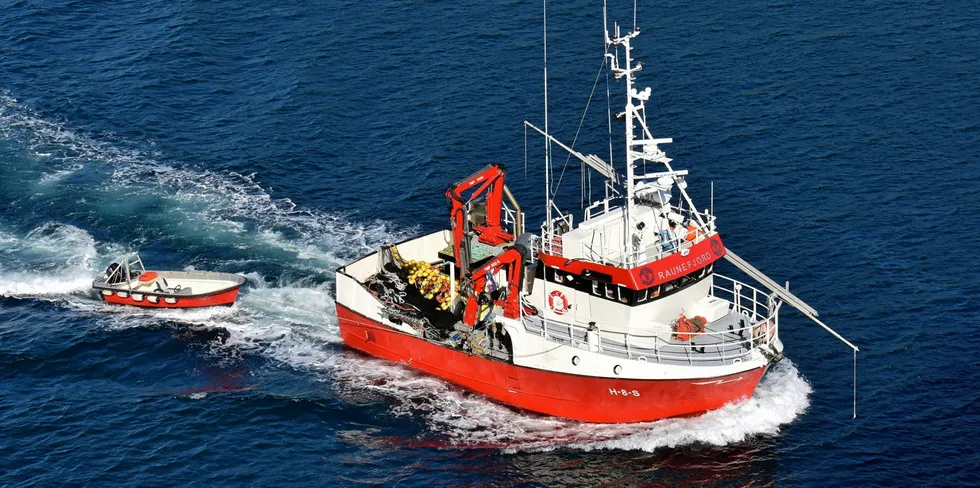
<point x="552" y="242"/>
<point x="738" y="297"/>
<point x="760" y="330"/>
<point x="125" y="269"/>
<point x="755" y="335"/>
<point x="654" y="251"/>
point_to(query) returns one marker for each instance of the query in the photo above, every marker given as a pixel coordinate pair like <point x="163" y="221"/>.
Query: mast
<point x="630" y="157"/>
<point x="547" y="146"/>
<point x="630" y="231"/>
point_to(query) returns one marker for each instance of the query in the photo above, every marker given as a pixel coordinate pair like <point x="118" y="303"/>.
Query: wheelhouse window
<point x="624" y="294"/>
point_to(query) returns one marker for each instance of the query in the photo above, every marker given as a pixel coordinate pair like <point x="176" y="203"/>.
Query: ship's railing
<point x="551" y="242"/>
<point x="130" y="268"/>
<point x="754" y="325"/>
<point x="601" y="207"/>
<point x="512" y="218"/>
<point x="709" y="348"/>
<point x="745" y="299"/>
<point x="665" y="242"/>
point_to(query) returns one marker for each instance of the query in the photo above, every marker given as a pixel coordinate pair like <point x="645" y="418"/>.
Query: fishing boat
<point x="617" y="317"/>
<point x="128" y="282"/>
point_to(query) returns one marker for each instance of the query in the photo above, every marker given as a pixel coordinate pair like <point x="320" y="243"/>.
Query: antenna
<point x="547" y="145"/>
<point x="605" y="26"/>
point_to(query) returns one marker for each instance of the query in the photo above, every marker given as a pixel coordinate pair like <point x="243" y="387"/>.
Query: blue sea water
<point x="280" y="139"/>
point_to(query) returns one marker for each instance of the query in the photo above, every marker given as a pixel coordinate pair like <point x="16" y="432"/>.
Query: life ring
<point x="557" y="302"/>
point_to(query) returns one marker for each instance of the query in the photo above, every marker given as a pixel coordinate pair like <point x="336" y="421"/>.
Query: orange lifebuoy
<point x="148" y="276"/>
<point x="557" y="302"/>
<point x="684" y="328"/>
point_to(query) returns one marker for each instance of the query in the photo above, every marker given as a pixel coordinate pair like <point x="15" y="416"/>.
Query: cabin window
<point x="623" y="294"/>
<point x="611" y="292"/>
<point x="597" y="288"/>
<point x="642" y="295"/>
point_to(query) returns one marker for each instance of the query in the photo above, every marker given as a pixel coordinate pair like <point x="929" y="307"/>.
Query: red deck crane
<point x="489" y="180"/>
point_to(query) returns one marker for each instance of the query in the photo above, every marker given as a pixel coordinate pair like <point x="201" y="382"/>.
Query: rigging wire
<point x="525" y="151"/>
<point x="609" y="123"/>
<point x="580" y="123"/>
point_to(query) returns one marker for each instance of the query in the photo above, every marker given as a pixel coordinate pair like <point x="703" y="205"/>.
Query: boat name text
<point x="690" y="264"/>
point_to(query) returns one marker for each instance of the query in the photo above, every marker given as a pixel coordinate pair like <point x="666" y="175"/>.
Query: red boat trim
<point x="577" y="397"/>
<point x="658" y="272"/>
<point x="225" y="297"/>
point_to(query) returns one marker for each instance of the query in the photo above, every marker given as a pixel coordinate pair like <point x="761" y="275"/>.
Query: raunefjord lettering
<point x="684" y="267"/>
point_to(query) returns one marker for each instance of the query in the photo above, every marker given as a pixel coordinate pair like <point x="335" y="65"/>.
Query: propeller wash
<point x="618" y="318"/>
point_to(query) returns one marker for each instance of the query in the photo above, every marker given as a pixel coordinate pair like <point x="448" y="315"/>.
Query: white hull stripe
<point x="718" y="382"/>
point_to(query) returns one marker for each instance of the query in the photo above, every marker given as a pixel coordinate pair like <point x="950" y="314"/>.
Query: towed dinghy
<point x="130" y="283"/>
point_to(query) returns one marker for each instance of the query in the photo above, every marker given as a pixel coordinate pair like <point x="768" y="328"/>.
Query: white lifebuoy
<point x="107" y="293"/>
<point x="123" y="294"/>
<point x="170" y="300"/>
<point x="153" y="299"/>
<point x="137" y="297"/>
<point x="557" y="302"/>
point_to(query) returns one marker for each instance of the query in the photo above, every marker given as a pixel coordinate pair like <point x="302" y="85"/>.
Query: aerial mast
<point x="547" y="146"/>
<point x="631" y="155"/>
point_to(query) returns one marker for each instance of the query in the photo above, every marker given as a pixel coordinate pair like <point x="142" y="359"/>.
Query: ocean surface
<point x="281" y="139"/>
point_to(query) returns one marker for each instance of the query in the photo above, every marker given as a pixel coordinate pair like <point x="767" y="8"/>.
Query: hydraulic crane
<point x="489" y="180"/>
<point x="474" y="288"/>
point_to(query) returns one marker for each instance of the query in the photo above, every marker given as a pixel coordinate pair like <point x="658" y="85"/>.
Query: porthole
<point x="575" y="360"/>
<point x="617" y="369"/>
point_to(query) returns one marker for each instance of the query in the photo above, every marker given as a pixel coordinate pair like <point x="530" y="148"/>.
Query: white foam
<point x="28" y="285"/>
<point x="51" y="260"/>
<point x="470" y="420"/>
<point x="58" y="175"/>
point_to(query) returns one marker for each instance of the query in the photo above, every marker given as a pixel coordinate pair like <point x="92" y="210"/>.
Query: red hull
<point x="226" y="297"/>
<point x="583" y="398"/>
